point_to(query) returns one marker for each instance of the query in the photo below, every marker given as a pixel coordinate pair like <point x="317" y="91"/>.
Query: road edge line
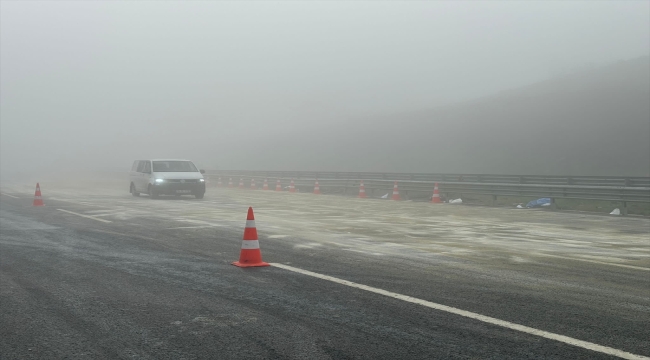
<point x="486" y="319"/>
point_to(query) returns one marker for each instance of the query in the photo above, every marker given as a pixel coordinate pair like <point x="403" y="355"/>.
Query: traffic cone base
<point x="251" y="260"/>
<point x="250" y="255"/>
<point x="292" y="187"/>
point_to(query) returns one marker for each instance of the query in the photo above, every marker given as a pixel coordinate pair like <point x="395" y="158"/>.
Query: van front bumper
<point x="174" y="187"/>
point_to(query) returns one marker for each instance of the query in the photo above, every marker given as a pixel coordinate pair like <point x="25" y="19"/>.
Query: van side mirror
<point x="202" y="171"/>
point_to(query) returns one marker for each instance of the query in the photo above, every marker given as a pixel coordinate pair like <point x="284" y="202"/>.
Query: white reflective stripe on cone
<point x="250" y="223"/>
<point x="250" y="244"/>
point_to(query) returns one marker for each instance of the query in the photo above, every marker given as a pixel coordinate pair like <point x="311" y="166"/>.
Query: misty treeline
<point x="594" y="122"/>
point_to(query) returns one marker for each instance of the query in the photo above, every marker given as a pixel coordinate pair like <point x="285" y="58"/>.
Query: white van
<point x="166" y="177"/>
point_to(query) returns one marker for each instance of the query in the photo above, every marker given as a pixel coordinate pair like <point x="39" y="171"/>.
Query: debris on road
<point x="539" y="202"/>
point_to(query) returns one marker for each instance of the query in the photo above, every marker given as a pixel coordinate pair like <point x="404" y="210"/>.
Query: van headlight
<point x="201" y="180"/>
<point x="158" y="181"/>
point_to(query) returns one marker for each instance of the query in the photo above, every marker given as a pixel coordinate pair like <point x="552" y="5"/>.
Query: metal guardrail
<point x="423" y="189"/>
<point x="624" y="181"/>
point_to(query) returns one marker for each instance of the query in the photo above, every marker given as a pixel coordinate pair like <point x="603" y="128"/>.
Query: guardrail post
<point x="494" y="200"/>
<point x="553" y="204"/>
<point x="624" y="209"/>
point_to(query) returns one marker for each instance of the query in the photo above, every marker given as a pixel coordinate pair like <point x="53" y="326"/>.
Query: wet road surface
<point x="102" y="274"/>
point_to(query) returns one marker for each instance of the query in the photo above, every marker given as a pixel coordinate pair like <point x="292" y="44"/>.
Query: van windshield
<point x="174" y="166"/>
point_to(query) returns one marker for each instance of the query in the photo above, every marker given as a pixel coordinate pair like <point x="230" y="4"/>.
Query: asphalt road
<point x="152" y="279"/>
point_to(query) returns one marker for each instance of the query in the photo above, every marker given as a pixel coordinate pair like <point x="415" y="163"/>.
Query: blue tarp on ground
<point x="539" y="202"/>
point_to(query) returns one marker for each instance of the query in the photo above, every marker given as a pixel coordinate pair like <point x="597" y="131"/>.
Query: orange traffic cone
<point x="292" y="187"/>
<point x="316" y="188"/>
<point x="395" y="192"/>
<point x="266" y="184"/>
<point x="253" y="187"/>
<point x="362" y="190"/>
<point x="278" y="186"/>
<point x="241" y="183"/>
<point x="230" y="183"/>
<point x="38" y="200"/>
<point x="250" y="254"/>
<point x="436" y="195"/>
<point x="219" y="183"/>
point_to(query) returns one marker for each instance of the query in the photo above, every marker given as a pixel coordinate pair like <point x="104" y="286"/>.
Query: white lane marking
<point x="11" y="196"/>
<point x="471" y="315"/>
<point x="76" y="202"/>
<point x="109" y="214"/>
<point x="193" y="227"/>
<point x="597" y="262"/>
<point x="86" y="216"/>
<point x="199" y="222"/>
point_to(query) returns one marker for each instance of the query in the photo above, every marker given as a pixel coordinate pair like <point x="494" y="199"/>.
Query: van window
<point x="174" y="166"/>
<point x="135" y="166"/>
<point x="140" y="166"/>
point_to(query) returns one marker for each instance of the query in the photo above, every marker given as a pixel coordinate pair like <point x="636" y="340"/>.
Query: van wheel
<point x="152" y="192"/>
<point x="132" y="190"/>
<point x="199" y="195"/>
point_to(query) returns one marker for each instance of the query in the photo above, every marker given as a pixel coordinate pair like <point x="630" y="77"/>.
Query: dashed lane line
<point x="486" y="319"/>
<point x="11" y="196"/>
<point x="86" y="216"/>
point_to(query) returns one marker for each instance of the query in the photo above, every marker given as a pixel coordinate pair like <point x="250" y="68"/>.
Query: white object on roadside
<point x="616" y="211"/>
<point x="546" y="204"/>
<point x="519" y="206"/>
<point x="385" y="196"/>
<point x="456" y="201"/>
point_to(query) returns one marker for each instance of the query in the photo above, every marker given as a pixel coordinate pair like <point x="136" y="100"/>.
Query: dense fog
<point x="473" y="87"/>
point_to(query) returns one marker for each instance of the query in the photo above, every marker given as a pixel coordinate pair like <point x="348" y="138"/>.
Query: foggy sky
<point x="98" y="84"/>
